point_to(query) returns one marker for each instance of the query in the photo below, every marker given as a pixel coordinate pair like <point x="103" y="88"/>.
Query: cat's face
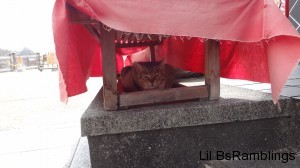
<point x="149" y="75"/>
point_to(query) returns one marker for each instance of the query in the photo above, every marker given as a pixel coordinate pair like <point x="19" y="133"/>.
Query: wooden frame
<point x="114" y="99"/>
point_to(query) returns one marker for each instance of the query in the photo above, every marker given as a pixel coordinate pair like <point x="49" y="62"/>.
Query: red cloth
<point x="257" y="42"/>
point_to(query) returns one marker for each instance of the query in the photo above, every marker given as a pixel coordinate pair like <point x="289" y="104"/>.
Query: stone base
<point x="173" y="135"/>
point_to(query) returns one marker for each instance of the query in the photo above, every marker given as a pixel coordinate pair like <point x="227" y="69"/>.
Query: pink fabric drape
<point x="257" y="42"/>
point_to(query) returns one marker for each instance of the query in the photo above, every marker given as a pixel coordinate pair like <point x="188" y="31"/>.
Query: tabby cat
<point x="147" y="76"/>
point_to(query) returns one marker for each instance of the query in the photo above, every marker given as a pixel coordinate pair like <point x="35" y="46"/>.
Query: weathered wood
<point x="212" y="68"/>
<point x="109" y="69"/>
<point x="152" y="52"/>
<point x="159" y="96"/>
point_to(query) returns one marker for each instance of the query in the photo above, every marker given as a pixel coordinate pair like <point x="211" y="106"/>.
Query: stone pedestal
<point x="173" y="135"/>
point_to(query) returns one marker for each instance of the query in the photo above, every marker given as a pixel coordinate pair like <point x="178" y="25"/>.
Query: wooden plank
<point x="109" y="69"/>
<point x="212" y="68"/>
<point x="152" y="55"/>
<point x="159" y="96"/>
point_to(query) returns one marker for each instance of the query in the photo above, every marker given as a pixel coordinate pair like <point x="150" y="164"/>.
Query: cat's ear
<point x="137" y="66"/>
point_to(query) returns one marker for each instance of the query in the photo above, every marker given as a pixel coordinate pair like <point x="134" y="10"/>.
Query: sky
<point x="26" y="23"/>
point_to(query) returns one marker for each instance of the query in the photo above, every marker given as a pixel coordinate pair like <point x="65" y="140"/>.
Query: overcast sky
<point x="26" y="23"/>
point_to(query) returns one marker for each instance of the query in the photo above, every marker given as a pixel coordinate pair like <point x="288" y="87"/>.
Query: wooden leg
<point x="109" y="69"/>
<point x="212" y="68"/>
<point x="152" y="52"/>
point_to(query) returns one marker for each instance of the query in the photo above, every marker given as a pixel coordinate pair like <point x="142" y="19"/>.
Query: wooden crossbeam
<point x="166" y="95"/>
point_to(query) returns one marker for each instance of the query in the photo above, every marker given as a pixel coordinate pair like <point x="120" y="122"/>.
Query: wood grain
<point x="152" y="51"/>
<point x="109" y="69"/>
<point x="166" y="95"/>
<point x="212" y="68"/>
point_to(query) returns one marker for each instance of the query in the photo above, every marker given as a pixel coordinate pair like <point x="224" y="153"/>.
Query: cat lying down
<point x="143" y="76"/>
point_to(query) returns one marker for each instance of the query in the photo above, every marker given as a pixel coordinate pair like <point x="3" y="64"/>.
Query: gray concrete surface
<point x="235" y="104"/>
<point x="36" y="129"/>
<point x="81" y="157"/>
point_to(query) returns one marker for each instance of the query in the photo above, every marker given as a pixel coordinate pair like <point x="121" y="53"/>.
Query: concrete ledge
<point x="236" y="104"/>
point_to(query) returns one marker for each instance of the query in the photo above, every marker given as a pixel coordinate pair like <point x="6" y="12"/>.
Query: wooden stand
<point x="111" y="39"/>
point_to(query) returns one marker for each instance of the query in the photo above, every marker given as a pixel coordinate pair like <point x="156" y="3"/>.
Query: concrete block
<point x="172" y="135"/>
